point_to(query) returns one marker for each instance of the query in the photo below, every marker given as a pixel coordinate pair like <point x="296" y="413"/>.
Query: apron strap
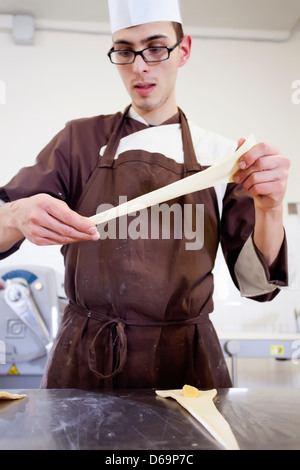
<point x="190" y="160"/>
<point x="107" y="159"/>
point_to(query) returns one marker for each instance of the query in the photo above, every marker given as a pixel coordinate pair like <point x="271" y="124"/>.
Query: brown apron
<point x="138" y="311"/>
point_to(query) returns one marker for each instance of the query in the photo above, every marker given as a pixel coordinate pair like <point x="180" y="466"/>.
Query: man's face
<point x="151" y="86"/>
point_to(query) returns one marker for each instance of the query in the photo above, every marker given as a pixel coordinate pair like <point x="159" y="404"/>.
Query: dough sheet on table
<point x="10" y="396"/>
<point x="221" y="172"/>
<point x="205" y="411"/>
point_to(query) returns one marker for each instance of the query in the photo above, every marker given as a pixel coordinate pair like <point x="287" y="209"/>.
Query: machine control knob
<point x="233" y="347"/>
<point x="14" y="294"/>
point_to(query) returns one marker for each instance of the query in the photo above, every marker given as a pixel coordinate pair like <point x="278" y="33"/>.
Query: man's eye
<point x="156" y="50"/>
<point x="124" y="53"/>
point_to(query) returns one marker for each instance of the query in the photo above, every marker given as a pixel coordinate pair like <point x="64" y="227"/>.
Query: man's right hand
<point x="43" y="220"/>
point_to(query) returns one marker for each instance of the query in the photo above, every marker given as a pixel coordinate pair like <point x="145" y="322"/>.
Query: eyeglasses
<point x="150" y="54"/>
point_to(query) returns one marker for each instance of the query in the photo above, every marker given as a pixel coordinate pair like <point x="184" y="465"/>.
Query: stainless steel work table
<point x="139" y="420"/>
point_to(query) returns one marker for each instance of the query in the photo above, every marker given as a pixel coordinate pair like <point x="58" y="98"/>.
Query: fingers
<point x="45" y="220"/>
<point x="50" y="231"/>
<point x="263" y="172"/>
<point x="66" y="226"/>
<point x="262" y="163"/>
<point x="264" y="168"/>
<point x="252" y="156"/>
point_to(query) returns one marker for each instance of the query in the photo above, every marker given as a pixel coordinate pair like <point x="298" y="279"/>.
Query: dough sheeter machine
<point x="31" y="304"/>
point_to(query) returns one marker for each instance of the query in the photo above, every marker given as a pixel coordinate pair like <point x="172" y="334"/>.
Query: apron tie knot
<point x="113" y="335"/>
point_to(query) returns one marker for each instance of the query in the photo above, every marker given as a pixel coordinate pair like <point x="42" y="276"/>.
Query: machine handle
<point x="19" y="299"/>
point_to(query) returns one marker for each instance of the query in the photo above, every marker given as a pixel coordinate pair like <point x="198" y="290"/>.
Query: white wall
<point x="233" y="87"/>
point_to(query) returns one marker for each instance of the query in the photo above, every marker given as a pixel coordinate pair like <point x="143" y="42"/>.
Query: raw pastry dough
<point x="204" y="410"/>
<point x="221" y="172"/>
<point x="10" y="396"/>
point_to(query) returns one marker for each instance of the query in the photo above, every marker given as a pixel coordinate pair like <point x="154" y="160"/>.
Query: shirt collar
<point x="134" y="115"/>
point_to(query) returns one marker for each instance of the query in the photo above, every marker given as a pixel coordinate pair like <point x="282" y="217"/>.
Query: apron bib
<point x="138" y="311"/>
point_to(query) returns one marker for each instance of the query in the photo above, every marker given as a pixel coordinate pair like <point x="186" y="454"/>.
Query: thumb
<point x="241" y="141"/>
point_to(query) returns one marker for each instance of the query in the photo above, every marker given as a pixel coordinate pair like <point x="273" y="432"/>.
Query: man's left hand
<point x="263" y="174"/>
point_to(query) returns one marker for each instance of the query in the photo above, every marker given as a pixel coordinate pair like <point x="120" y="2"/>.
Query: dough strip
<point x="204" y="410"/>
<point x="10" y="396"/>
<point x="221" y="172"/>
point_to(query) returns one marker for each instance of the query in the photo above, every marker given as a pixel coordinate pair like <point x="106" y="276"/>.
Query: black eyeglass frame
<point x="169" y="49"/>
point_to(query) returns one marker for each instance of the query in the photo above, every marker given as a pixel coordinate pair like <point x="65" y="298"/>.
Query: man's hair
<point x="178" y="30"/>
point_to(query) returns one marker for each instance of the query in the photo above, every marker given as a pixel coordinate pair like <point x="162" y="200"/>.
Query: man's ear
<point x="185" y="50"/>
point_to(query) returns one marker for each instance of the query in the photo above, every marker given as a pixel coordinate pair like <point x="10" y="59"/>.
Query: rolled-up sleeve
<point x="253" y="275"/>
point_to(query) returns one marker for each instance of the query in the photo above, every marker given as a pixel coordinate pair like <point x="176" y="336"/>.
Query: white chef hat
<point x="127" y="13"/>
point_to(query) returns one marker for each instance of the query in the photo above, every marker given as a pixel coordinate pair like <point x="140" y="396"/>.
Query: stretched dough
<point x="221" y="172"/>
<point x="204" y="410"/>
<point x="10" y="396"/>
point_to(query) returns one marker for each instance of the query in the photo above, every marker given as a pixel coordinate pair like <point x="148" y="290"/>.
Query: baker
<point x="138" y="312"/>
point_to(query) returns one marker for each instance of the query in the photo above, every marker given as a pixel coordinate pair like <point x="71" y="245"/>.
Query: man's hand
<point x="45" y="220"/>
<point x="263" y="174"/>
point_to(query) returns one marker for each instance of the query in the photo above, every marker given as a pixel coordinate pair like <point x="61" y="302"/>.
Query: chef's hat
<point x="126" y="13"/>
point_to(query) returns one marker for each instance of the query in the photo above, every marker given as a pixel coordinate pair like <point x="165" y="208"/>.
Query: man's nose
<point x="139" y="65"/>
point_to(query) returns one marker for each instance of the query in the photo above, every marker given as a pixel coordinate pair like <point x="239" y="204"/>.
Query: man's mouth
<point x="144" y="89"/>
